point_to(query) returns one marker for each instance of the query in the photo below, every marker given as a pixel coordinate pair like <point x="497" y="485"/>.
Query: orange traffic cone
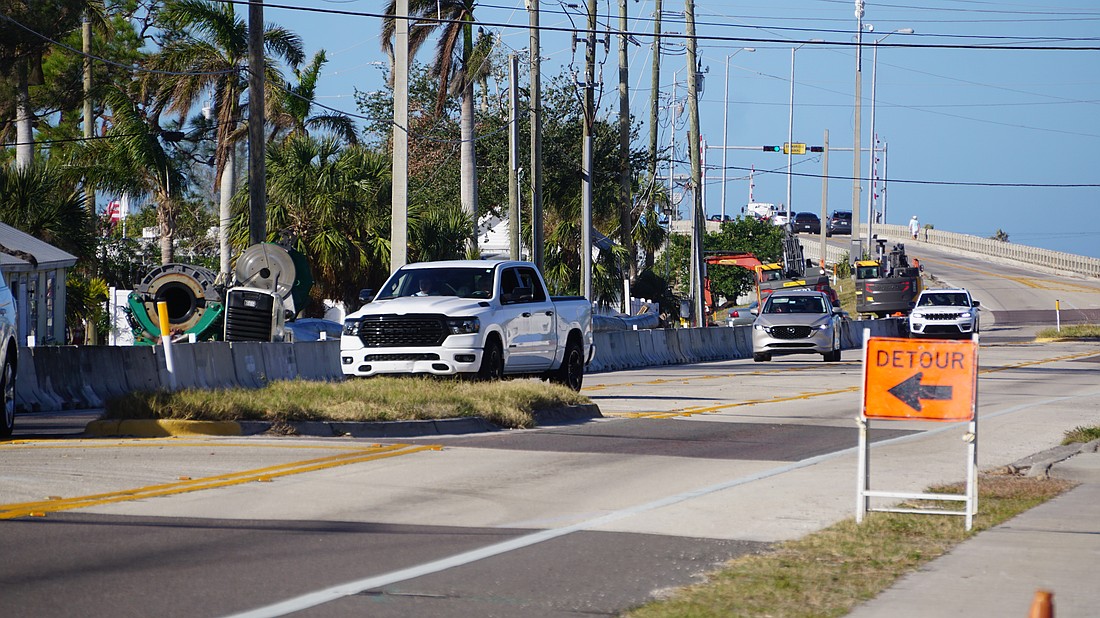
<point x="1042" y="606"/>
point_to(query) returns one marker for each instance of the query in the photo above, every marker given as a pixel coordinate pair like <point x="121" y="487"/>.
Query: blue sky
<point x="984" y="117"/>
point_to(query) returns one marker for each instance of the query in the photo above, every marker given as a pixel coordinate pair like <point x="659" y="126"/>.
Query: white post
<point x="166" y="339"/>
<point x="790" y="137"/>
<point x="871" y="159"/>
<point x="863" y="473"/>
<point x="725" y="133"/>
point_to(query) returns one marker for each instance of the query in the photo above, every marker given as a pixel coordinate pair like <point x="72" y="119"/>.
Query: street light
<point x="856" y="250"/>
<point x="725" y="123"/>
<point x="790" y="128"/>
<point x="871" y="161"/>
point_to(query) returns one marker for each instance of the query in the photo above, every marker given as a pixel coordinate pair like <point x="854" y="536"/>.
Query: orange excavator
<point x="792" y="273"/>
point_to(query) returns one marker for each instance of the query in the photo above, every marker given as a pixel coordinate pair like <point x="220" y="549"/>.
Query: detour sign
<point x="929" y="379"/>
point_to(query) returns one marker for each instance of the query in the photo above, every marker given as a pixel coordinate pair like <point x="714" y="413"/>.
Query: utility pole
<point x="513" y="157"/>
<point x="257" y="188"/>
<point x="856" y="251"/>
<point x="626" y="203"/>
<point x="824" y="193"/>
<point x="536" y="136"/>
<point x="654" y="94"/>
<point x="696" y="166"/>
<point x="586" y="152"/>
<point x="400" y="171"/>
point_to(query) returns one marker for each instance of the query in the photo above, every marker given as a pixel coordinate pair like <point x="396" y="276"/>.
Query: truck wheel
<point x="7" y="399"/>
<point x="492" y="361"/>
<point x="571" y="372"/>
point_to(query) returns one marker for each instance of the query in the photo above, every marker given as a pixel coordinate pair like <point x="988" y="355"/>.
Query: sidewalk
<point x="1054" y="547"/>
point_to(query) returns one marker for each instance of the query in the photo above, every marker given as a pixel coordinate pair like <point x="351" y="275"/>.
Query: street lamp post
<point x="856" y="251"/>
<point x="725" y="124"/>
<point x="871" y="162"/>
<point x="790" y="129"/>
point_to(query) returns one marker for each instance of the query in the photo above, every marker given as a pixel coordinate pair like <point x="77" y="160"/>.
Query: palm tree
<point x="296" y="102"/>
<point x="42" y="200"/>
<point x="454" y="68"/>
<point x="133" y="160"/>
<point x="207" y="48"/>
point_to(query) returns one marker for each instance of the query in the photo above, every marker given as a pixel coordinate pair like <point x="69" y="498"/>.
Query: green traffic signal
<point x="773" y="149"/>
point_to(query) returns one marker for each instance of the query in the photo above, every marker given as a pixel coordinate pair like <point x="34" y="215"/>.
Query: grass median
<point x="1070" y="332"/>
<point x="509" y="404"/>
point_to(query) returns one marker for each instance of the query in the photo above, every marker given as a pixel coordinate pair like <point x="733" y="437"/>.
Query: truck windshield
<point x="460" y="282"/>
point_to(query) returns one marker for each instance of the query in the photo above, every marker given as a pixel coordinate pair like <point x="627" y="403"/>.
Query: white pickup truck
<point x="481" y="318"/>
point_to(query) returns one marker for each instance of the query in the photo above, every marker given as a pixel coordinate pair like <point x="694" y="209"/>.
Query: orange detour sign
<point x="920" y="379"/>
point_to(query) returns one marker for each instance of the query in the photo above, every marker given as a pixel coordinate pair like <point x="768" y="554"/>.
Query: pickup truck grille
<point x="402" y="331"/>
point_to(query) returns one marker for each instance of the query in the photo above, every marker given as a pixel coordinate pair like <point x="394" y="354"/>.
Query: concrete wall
<point x="52" y="378"/>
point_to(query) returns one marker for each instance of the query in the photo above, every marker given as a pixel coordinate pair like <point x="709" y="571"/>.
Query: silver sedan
<point x="797" y="322"/>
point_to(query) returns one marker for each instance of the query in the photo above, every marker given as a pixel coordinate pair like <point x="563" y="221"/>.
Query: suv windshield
<point x="944" y="299"/>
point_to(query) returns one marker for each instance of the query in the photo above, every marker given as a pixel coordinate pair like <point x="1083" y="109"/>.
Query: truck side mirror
<point x="366" y="295"/>
<point x="976" y="303"/>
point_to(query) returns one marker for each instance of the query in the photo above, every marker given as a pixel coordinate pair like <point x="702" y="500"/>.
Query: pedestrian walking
<point x="914" y="227"/>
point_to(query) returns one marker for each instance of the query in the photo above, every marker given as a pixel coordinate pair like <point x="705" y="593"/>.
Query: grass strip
<point x="509" y="404"/>
<point x="1070" y="332"/>
<point x="831" y="571"/>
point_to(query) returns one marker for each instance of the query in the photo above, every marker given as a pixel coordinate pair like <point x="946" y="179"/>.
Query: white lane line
<point x="334" y="593"/>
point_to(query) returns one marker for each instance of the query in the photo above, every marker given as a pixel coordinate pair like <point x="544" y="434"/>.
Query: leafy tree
<point x="295" y="104"/>
<point x="742" y="235"/>
<point x="204" y="52"/>
<point x="43" y="200"/>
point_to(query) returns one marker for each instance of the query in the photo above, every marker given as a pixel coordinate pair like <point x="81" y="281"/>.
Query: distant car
<point x="839" y="223"/>
<point x="780" y="218"/>
<point x="797" y="322"/>
<point x="9" y="349"/>
<point x="806" y="222"/>
<point x="946" y="313"/>
<point x="740" y="316"/>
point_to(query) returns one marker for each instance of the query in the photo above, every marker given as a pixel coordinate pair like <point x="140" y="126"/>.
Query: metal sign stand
<point x="864" y="493"/>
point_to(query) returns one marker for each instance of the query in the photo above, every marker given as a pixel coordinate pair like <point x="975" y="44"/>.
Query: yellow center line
<point x="10" y="511"/>
<point x="693" y="410"/>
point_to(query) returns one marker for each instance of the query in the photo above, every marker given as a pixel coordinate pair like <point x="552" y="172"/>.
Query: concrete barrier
<point x="29" y="395"/>
<point x="687" y="346"/>
<point x="659" y="337"/>
<point x="279" y="361"/>
<point x="672" y="337"/>
<point x="101" y="370"/>
<point x="597" y="364"/>
<point x="143" y="368"/>
<point x="248" y="363"/>
<point x="318" y="360"/>
<point x="58" y="371"/>
<point x="214" y="367"/>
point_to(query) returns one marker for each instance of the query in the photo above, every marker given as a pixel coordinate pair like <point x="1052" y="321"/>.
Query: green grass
<point x="509" y="404"/>
<point x="829" y="572"/>
<point x="1081" y="435"/>
<point x="1070" y="332"/>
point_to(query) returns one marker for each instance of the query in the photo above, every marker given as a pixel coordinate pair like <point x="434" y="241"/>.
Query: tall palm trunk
<point x="468" y="162"/>
<point x="227" y="183"/>
<point x="24" y="118"/>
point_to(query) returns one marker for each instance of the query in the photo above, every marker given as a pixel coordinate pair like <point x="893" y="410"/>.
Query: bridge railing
<point x="1056" y="260"/>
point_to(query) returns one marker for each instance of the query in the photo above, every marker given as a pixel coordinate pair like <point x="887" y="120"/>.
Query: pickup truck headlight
<point x="351" y="327"/>
<point x="464" y="326"/>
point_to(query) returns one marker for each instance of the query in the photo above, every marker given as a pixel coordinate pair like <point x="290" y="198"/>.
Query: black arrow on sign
<point x="911" y="391"/>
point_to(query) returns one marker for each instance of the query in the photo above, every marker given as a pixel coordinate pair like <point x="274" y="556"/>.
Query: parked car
<point x="483" y="319"/>
<point x="739" y="316"/>
<point x="9" y="349"/>
<point x="839" y="223"/>
<point x="797" y="322"/>
<point x="945" y="313"/>
<point x="806" y="222"/>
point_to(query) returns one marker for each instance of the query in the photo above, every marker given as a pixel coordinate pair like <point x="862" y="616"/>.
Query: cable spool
<point x="194" y="300"/>
<point x="270" y="267"/>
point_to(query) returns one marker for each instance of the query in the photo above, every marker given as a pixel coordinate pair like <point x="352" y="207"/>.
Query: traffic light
<point x="817" y="149"/>
<point x="773" y="149"/>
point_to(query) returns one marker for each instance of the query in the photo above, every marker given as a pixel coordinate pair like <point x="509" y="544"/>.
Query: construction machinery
<point x="268" y="287"/>
<point x="886" y="285"/>
<point x="792" y="273"/>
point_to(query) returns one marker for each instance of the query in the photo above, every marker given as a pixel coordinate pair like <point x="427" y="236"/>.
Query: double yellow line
<point x="184" y="485"/>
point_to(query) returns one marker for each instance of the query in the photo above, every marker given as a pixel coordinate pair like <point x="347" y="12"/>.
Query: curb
<point x="163" y="428"/>
<point x="1040" y="464"/>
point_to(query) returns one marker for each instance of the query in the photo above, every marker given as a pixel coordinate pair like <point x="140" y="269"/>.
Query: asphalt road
<point x="692" y="465"/>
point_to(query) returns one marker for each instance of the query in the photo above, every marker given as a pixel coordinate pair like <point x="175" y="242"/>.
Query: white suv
<point x="947" y="313"/>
